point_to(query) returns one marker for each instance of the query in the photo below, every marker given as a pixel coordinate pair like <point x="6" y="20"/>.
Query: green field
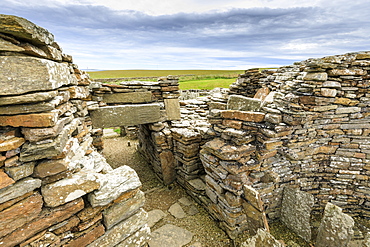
<point x="188" y="79"/>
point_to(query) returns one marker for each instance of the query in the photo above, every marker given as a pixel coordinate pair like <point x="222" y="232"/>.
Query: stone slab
<point x="122" y="230"/>
<point x="69" y="189"/>
<point x="155" y="216"/>
<point x="29" y="74"/>
<point x="262" y="239"/>
<point x="11" y="144"/>
<point x="21" y="171"/>
<point x="30" y="120"/>
<point x="9" y="46"/>
<point x="225" y="151"/>
<point x="87" y="238"/>
<point x="125" y="115"/>
<point x="113" y="185"/>
<point x="168" y="166"/>
<point x="28" y="98"/>
<point x="20" y="188"/>
<point x="172" y="109"/>
<point x="255" y="117"/>
<point x="336" y="228"/>
<point x="5" y="180"/>
<point x="241" y="103"/>
<point x="20" y="214"/>
<point x="177" y="211"/>
<point x="46" y="218"/>
<point x="296" y="211"/>
<point x="253" y="197"/>
<point x="22" y="28"/>
<point x="139" y="238"/>
<point x="128" y="98"/>
<point x="122" y="210"/>
<point x="170" y="235"/>
<point x="320" y="76"/>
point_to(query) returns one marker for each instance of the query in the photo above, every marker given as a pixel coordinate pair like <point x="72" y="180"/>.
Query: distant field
<point x="158" y="73"/>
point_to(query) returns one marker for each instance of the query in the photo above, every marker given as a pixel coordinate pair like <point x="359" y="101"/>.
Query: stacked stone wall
<point x="55" y="188"/>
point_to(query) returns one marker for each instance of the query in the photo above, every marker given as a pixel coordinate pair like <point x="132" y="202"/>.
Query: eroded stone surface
<point x="336" y="228"/>
<point x="296" y="210"/>
<point x="113" y="184"/>
<point x="177" y="211"/>
<point x="170" y="235"/>
<point x="241" y="103"/>
<point x="69" y="189"/>
<point x="155" y="216"/>
<point x="262" y="239"/>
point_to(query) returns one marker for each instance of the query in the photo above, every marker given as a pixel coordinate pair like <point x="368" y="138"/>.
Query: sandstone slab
<point x="122" y="230"/>
<point x="20" y="213"/>
<point x="262" y="239"/>
<point x="22" y="28"/>
<point x="11" y="144"/>
<point x="88" y="237"/>
<point x="125" y="115"/>
<point x="21" y="171"/>
<point x="177" y="211"/>
<point x="28" y="98"/>
<point x="9" y="46"/>
<point x="18" y="189"/>
<point x="50" y="167"/>
<point x="319" y="76"/>
<point x="170" y="235"/>
<point x="296" y="211"/>
<point x="26" y="109"/>
<point x="255" y="117"/>
<point x="46" y="218"/>
<point x="30" y="120"/>
<point x="336" y="228"/>
<point x="29" y="74"/>
<point x="114" y="184"/>
<point x="139" y="238"/>
<point x="69" y="189"/>
<point x="155" y="216"/>
<point x="172" y="109"/>
<point x="168" y="166"/>
<point x="128" y="98"/>
<point x="225" y="151"/>
<point x="5" y="180"/>
<point x="241" y="103"/>
<point x="122" y="210"/>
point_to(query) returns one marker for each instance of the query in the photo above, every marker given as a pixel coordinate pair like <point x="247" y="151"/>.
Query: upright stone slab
<point x="296" y="210"/>
<point x="262" y="239"/>
<point x="29" y="74"/>
<point x="172" y="109"/>
<point x="125" y="115"/>
<point x="336" y="228"/>
<point x="241" y="103"/>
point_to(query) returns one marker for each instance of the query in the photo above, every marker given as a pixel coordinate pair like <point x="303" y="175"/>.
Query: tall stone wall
<point x="55" y="188"/>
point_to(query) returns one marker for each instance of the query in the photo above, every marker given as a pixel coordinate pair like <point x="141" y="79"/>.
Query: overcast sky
<point x="198" y="34"/>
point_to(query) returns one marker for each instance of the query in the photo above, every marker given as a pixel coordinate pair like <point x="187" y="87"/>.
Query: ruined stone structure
<point x="277" y="145"/>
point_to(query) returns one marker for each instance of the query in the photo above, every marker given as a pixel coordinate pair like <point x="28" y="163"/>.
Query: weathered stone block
<point x="347" y="72"/>
<point x="5" y="180"/>
<point x="122" y="210"/>
<point x="21" y="171"/>
<point x="18" y="189"/>
<point x="85" y="239"/>
<point x="328" y="92"/>
<point x="322" y="76"/>
<point x="296" y="210"/>
<point x="29" y="74"/>
<point x="128" y="98"/>
<point x="140" y="238"/>
<point x="46" y="218"/>
<point x="241" y="103"/>
<point x="22" y="28"/>
<point x="336" y="228"/>
<point x="262" y="239"/>
<point x="28" y="98"/>
<point x="255" y="117"/>
<point x="122" y="230"/>
<point x="11" y="144"/>
<point x="69" y="189"/>
<point x="125" y="115"/>
<point x="30" y="120"/>
<point x="9" y="46"/>
<point x="225" y="151"/>
<point x="113" y="185"/>
<point x="253" y="197"/>
<point x="20" y="213"/>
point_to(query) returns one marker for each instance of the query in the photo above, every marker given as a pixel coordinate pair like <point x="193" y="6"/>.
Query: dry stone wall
<point x="55" y="188"/>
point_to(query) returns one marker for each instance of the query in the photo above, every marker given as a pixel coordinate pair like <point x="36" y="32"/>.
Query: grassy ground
<point x="206" y="84"/>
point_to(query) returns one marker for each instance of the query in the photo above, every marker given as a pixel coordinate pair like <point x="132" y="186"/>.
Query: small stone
<point x="185" y="201"/>
<point x="177" y="211"/>
<point x="155" y="216"/>
<point x="5" y="180"/>
<point x="21" y="171"/>
<point x="328" y="92"/>
<point x="193" y="210"/>
<point x="170" y="235"/>
<point x="11" y="144"/>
